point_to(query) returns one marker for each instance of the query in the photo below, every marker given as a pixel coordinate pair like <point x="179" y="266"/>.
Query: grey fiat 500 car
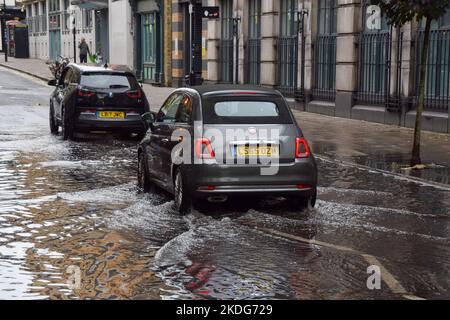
<point x="214" y="142"/>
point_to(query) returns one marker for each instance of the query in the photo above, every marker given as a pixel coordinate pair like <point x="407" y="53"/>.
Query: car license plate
<point x="111" y="115"/>
<point x="254" y="151"/>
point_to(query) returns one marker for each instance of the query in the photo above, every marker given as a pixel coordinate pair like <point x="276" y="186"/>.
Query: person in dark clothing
<point x="84" y="50"/>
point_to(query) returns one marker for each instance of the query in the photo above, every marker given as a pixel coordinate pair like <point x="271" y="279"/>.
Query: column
<point x="269" y="35"/>
<point x="348" y="29"/>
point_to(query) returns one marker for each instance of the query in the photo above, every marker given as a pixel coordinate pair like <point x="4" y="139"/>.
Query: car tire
<point x="66" y="127"/>
<point x="144" y="183"/>
<point x="303" y="203"/>
<point x="53" y="123"/>
<point x="183" y="201"/>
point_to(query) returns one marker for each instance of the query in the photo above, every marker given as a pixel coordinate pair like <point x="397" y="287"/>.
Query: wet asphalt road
<point x="73" y="226"/>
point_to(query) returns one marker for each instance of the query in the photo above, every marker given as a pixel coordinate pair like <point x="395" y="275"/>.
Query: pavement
<point x="367" y="145"/>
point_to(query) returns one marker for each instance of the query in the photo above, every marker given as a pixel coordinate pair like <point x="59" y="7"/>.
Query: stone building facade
<point x="335" y="57"/>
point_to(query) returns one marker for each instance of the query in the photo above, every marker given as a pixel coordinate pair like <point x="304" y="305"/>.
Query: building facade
<point x="335" y="57"/>
<point x="50" y="25"/>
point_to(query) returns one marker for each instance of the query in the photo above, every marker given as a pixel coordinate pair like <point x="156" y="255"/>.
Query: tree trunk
<point x="415" y="159"/>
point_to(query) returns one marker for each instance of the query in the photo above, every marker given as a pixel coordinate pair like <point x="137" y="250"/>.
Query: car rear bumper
<point x="299" y="178"/>
<point x="90" y="122"/>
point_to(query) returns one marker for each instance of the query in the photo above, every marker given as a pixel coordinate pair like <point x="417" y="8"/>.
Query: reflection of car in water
<point x="228" y="269"/>
<point x="214" y="171"/>
<point x="88" y="98"/>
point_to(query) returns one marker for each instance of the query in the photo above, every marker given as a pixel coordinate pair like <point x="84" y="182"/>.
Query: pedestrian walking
<point x="84" y="50"/>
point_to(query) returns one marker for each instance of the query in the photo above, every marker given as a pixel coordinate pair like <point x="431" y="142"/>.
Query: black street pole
<point x="301" y="25"/>
<point x="74" y="30"/>
<point x="236" y="21"/>
<point x="5" y="30"/>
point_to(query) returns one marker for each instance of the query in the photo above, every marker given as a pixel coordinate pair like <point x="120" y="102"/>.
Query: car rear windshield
<point x="246" y="111"/>
<point x="108" y="81"/>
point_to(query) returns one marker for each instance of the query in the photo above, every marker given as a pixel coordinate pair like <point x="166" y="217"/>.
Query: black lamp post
<point x="74" y="31"/>
<point x="236" y="21"/>
<point x="3" y="36"/>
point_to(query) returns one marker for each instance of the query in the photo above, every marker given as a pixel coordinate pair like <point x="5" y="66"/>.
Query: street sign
<point x="211" y="12"/>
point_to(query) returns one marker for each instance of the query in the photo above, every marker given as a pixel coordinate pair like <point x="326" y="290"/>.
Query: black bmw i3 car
<point x="215" y="142"/>
<point x="92" y="98"/>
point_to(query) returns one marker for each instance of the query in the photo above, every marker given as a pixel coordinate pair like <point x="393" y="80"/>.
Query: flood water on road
<point x="71" y="210"/>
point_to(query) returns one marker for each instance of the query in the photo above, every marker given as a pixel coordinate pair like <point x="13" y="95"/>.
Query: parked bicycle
<point x="57" y="66"/>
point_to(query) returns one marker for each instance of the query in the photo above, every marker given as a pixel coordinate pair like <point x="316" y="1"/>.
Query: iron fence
<point x="325" y="72"/>
<point x="437" y="97"/>
<point x="374" y="68"/>
<point x="288" y="66"/>
<point x="226" y="61"/>
<point x="254" y="61"/>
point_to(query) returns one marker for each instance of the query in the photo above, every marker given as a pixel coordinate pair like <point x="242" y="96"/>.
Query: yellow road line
<point x="387" y="277"/>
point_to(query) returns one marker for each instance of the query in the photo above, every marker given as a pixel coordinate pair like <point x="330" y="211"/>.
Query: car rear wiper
<point x="117" y="86"/>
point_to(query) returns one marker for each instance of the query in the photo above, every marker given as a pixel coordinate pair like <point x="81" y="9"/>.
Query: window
<point x="374" y="54"/>
<point x="246" y="109"/>
<point x="53" y="6"/>
<point x="107" y="81"/>
<point x="185" y="110"/>
<point x="438" y="70"/>
<point x="87" y="19"/>
<point x="288" y="47"/>
<point x="256" y="110"/>
<point x="226" y="42"/>
<point x="327" y="17"/>
<point x="149" y="45"/>
<point x="254" y="42"/>
<point x="325" y="51"/>
<point x="168" y="113"/>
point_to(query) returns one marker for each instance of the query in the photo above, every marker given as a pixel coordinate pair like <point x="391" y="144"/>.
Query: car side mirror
<point x="52" y="82"/>
<point x="149" y="119"/>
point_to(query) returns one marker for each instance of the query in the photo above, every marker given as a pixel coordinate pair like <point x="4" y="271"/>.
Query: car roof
<point x="113" y="68"/>
<point x="219" y="89"/>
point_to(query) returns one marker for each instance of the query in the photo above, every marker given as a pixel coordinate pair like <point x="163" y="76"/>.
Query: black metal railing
<point x="437" y="97"/>
<point x="325" y="72"/>
<point x="374" y="68"/>
<point x="226" y="50"/>
<point x="254" y="61"/>
<point x="288" y="66"/>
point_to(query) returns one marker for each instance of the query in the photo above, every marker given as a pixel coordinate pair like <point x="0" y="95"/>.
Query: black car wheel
<point x="67" y="126"/>
<point x="53" y="123"/>
<point x="303" y="203"/>
<point x="143" y="178"/>
<point x="183" y="202"/>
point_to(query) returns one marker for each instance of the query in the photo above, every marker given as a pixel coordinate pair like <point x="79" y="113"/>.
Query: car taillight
<point x="85" y="93"/>
<point x="203" y="149"/>
<point x="134" y="94"/>
<point x="302" y="148"/>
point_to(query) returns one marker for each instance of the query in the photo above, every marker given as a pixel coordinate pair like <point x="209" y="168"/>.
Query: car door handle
<point x="165" y="140"/>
